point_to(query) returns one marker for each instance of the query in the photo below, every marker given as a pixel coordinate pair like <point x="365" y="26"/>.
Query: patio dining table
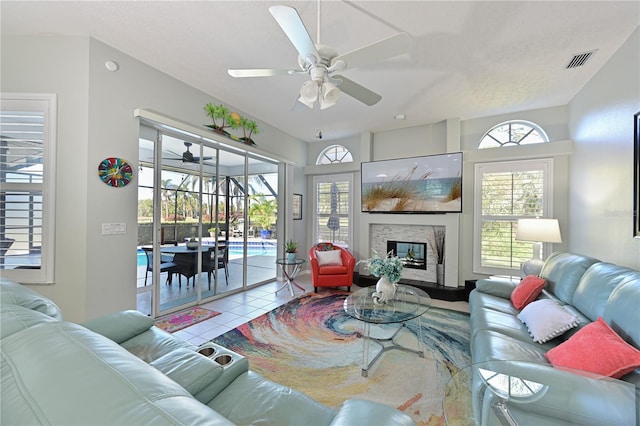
<point x="186" y="258"/>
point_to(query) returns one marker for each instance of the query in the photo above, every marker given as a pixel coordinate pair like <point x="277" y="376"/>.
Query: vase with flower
<point x="389" y="270"/>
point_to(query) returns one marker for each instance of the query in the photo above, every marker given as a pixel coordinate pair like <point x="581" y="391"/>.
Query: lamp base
<point x="532" y="267"/>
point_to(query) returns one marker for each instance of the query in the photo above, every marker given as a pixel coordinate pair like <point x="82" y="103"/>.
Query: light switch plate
<point x="114" y="228"/>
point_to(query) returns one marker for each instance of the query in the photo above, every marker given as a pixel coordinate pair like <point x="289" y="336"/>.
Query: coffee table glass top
<point x="408" y="303"/>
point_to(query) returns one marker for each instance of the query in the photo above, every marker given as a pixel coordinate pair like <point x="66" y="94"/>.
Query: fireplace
<point x="411" y="254"/>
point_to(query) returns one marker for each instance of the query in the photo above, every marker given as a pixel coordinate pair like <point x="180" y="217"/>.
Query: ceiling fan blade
<point x="376" y="52"/>
<point x="357" y="91"/>
<point x="197" y="159"/>
<point x="260" y="72"/>
<point x="293" y="27"/>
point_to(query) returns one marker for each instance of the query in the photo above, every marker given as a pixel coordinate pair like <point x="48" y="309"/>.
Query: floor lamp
<point x="539" y="231"/>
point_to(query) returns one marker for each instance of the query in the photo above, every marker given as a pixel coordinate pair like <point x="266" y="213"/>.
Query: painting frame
<point x="636" y="175"/>
<point x="429" y="184"/>
<point x="297" y="207"/>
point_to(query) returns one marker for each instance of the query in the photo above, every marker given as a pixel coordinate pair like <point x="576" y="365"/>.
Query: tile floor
<point x="240" y="308"/>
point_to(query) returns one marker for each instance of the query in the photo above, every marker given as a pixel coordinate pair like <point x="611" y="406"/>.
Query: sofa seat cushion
<point x="545" y="320"/>
<point x="87" y="378"/>
<point x="332" y="270"/>
<point x="597" y="349"/>
<point x="489" y="345"/>
<point x="251" y="399"/>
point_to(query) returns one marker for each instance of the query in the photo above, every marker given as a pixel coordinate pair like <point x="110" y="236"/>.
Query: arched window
<point x="334" y="154"/>
<point x="514" y="132"/>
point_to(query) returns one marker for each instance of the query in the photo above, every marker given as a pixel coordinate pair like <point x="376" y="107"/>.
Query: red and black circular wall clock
<point x="115" y="172"/>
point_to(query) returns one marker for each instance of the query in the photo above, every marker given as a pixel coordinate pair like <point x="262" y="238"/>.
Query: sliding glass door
<point x="197" y="235"/>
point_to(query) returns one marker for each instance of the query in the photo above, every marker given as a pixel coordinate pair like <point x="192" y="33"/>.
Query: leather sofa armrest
<point x="500" y="287"/>
<point x="573" y="396"/>
<point x="120" y="326"/>
<point x="361" y="412"/>
<point x="189" y="369"/>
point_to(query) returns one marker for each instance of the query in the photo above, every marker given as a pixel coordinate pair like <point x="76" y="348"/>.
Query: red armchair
<point x="331" y="274"/>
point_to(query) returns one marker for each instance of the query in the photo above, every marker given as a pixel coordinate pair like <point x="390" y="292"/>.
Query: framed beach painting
<point x="429" y="184"/>
<point x="636" y="175"/>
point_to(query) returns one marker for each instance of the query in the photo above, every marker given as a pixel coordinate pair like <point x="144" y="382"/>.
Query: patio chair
<point x="167" y="266"/>
<point x="213" y="260"/>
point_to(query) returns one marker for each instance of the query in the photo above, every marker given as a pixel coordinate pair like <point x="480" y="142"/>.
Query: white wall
<point x="601" y="196"/>
<point x="96" y="274"/>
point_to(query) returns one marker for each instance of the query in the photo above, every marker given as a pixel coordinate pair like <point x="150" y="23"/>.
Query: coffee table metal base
<point x="387" y="344"/>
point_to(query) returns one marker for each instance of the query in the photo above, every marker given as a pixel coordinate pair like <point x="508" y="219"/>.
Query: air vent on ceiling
<point x="580" y="59"/>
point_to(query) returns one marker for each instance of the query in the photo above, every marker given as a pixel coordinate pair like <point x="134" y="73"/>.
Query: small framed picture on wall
<point x="636" y="175"/>
<point x="297" y="206"/>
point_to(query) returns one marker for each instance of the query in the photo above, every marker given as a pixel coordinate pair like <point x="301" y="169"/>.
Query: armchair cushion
<point x="333" y="257"/>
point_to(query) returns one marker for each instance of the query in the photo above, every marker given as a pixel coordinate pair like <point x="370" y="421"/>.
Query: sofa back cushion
<point x="16" y="318"/>
<point x="563" y="272"/>
<point x="62" y="373"/>
<point x="596" y="285"/>
<point x="13" y="293"/>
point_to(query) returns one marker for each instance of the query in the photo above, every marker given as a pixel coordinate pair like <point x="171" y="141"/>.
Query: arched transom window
<point x="334" y="154"/>
<point x="515" y="132"/>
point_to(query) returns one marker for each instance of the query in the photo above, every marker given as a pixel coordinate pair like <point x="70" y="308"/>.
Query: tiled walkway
<point x="240" y="308"/>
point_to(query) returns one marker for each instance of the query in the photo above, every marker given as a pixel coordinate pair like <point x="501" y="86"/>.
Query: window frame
<point x="327" y="179"/>
<point x="346" y="157"/>
<point x="47" y="103"/>
<point x="533" y="127"/>
<point x="544" y="164"/>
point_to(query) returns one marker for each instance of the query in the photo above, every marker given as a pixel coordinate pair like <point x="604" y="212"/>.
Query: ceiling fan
<point x="321" y="62"/>
<point x="187" y="156"/>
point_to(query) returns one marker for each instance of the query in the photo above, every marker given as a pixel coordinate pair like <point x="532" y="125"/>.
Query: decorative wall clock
<point x="115" y="172"/>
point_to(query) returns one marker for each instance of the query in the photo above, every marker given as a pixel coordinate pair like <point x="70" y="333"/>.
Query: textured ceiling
<point x="468" y="59"/>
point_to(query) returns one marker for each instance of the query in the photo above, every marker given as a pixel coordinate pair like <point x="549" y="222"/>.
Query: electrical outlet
<point x="114" y="228"/>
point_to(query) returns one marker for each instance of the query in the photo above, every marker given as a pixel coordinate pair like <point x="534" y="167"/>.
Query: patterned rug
<point x="311" y="345"/>
<point x="184" y="319"/>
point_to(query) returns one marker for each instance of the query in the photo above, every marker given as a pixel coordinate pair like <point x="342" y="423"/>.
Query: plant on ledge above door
<point x="221" y="118"/>
<point x="251" y="127"/>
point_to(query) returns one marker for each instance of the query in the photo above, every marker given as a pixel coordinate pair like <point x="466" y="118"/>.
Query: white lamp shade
<point x="309" y="92"/>
<point x="539" y="230"/>
<point x="330" y="94"/>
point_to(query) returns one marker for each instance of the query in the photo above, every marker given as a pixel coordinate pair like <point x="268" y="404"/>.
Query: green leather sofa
<point x="500" y="342"/>
<point x="122" y="370"/>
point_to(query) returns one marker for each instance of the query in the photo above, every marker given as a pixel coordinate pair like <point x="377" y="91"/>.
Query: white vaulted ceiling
<point x="468" y="58"/>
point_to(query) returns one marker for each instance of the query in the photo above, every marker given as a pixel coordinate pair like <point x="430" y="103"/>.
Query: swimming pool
<point x="254" y="248"/>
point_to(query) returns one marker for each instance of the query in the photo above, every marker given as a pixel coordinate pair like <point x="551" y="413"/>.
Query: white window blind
<point x="332" y="201"/>
<point x="26" y="187"/>
<point x="504" y="193"/>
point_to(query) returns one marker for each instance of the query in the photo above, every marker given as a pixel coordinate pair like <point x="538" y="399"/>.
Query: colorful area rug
<point x="311" y="345"/>
<point x="184" y="319"/>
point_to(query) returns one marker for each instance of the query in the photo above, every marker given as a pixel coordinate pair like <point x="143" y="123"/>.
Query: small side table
<point x="290" y="270"/>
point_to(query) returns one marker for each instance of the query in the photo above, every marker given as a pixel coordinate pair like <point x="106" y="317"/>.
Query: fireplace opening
<point x="412" y="255"/>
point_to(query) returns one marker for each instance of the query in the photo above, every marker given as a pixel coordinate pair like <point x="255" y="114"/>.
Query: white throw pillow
<point x="331" y="257"/>
<point x="545" y="320"/>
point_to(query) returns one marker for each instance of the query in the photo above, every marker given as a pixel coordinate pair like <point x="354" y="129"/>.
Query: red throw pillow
<point x="527" y="291"/>
<point x="598" y="349"/>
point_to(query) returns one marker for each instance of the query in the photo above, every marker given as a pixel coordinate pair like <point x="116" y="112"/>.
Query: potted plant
<point x="291" y="248"/>
<point x="249" y="126"/>
<point x="221" y="118"/>
<point x="263" y="211"/>
<point x="212" y="231"/>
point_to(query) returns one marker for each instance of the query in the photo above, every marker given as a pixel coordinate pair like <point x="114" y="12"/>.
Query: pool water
<point x="235" y="251"/>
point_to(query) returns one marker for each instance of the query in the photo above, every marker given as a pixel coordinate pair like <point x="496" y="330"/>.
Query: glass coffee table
<point x="408" y="303"/>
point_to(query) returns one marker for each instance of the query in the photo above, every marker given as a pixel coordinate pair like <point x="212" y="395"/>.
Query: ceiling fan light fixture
<point x="330" y="94"/>
<point x="309" y="92"/>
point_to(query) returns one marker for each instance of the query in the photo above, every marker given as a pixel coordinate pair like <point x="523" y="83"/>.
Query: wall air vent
<point x="580" y="59"/>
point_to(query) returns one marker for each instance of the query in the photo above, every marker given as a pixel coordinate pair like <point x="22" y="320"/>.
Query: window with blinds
<point x="332" y="201"/>
<point x="25" y="143"/>
<point x="504" y="193"/>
